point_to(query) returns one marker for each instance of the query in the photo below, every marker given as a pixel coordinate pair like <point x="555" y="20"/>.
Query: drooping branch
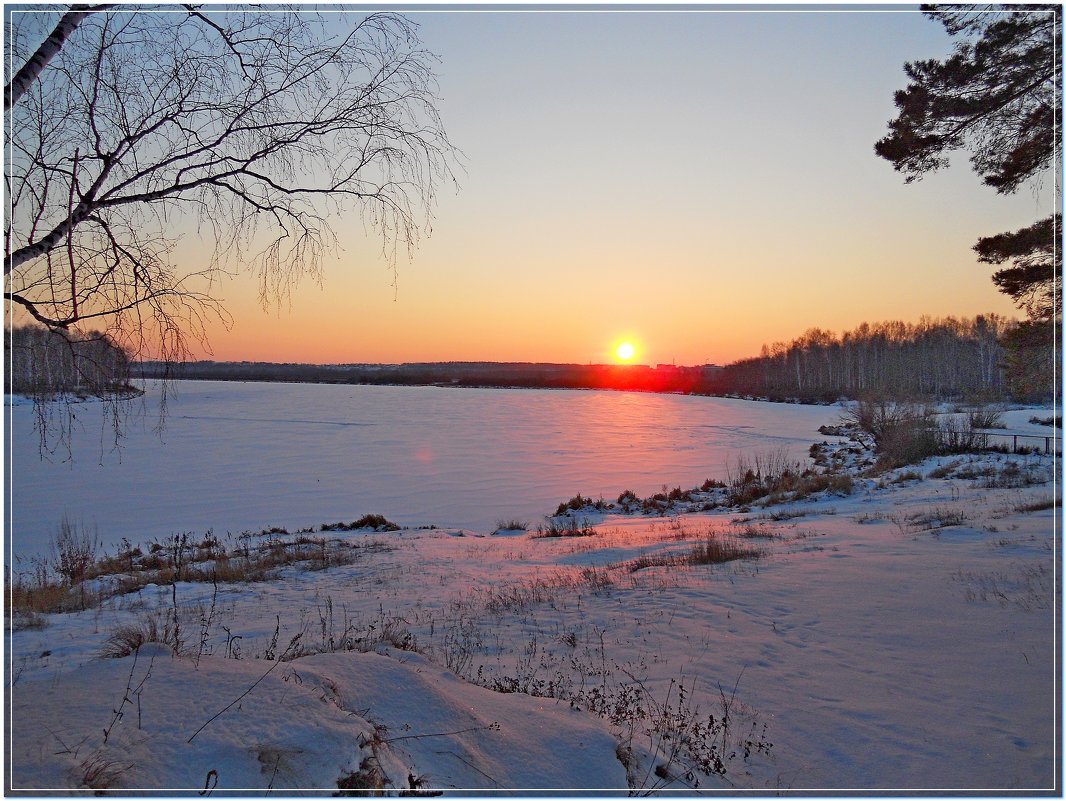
<point x="255" y="127"/>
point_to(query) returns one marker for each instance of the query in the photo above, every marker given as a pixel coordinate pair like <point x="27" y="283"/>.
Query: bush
<point x="375" y="522"/>
<point x="1046" y="421"/>
<point x="988" y="417"/>
<point x="571" y="529"/>
<point x="73" y="550"/>
<point x="905" y="433"/>
<point x="576" y="504"/>
<point x="510" y="525"/>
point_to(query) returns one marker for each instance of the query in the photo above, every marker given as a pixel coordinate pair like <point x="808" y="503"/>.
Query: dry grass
<point x="48" y="587"/>
<point x="776" y="479"/>
<point x="126" y="639"/>
<point x="100" y="773"/>
<point x="571" y="528"/>
<point x="711" y="551"/>
<point x="1036" y="505"/>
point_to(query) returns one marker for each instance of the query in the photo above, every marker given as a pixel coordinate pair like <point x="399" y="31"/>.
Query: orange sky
<point x="699" y="183"/>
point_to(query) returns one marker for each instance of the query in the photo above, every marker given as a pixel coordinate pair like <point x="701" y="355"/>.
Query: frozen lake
<point x="238" y="456"/>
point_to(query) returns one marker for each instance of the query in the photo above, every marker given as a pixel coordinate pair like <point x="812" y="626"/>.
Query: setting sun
<point x="625" y="351"/>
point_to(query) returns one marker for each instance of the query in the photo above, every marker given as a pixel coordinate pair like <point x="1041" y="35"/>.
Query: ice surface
<point x="237" y="456"/>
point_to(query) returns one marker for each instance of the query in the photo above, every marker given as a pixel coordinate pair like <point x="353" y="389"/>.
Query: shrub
<point x="836" y="483"/>
<point x="510" y="525"/>
<point x="988" y="417"/>
<point x="908" y="442"/>
<point x="576" y="504"/>
<point x="778" y="479"/>
<point x="73" y="550"/>
<point x="375" y="522"/>
<point x="1046" y="421"/>
<point x="884" y="420"/>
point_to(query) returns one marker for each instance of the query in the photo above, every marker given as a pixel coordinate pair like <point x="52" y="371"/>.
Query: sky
<point x="698" y="183"/>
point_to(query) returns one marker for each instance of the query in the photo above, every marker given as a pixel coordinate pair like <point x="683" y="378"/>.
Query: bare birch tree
<point x="129" y="129"/>
<point x="251" y="128"/>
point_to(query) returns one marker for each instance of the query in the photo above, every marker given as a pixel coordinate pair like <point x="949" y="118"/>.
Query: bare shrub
<point x="73" y="550"/>
<point x="906" y="433"/>
<point x="372" y="521"/>
<point x="513" y="524"/>
<point x="881" y="418"/>
<point x="986" y="417"/>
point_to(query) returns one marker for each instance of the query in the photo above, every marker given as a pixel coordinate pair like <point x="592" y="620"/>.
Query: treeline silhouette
<point x="45" y="363"/>
<point x="933" y="358"/>
<point x="536" y="375"/>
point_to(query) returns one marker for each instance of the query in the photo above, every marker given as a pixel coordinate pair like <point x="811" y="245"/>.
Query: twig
<point x="126" y="696"/>
<point x="491" y="727"/>
<point x="467" y="763"/>
<point x="234" y="702"/>
<point x="273" y="775"/>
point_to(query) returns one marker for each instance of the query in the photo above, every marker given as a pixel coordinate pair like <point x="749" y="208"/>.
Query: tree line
<point x="933" y="358"/>
<point x="45" y="363"/>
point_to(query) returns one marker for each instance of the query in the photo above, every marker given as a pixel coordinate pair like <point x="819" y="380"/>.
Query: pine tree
<point x="999" y="96"/>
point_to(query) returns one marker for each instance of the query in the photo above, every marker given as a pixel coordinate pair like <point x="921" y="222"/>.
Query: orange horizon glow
<point x="735" y="238"/>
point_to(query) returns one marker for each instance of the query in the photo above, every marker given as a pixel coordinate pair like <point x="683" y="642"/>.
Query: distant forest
<point x="45" y="363"/>
<point x="933" y="358"/>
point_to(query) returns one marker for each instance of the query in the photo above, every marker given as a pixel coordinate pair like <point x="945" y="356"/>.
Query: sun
<point x="625" y="351"/>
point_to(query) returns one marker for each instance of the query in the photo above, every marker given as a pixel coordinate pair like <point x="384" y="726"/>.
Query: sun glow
<point x="625" y="351"/>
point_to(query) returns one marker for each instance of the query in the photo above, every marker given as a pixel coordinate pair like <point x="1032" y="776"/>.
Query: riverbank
<point x="900" y="636"/>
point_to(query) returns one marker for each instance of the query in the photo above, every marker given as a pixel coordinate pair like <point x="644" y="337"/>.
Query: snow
<point x="901" y="638"/>
<point x="302" y="727"/>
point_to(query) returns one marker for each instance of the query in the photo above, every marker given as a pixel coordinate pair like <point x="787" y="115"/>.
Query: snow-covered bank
<point x="901" y="637"/>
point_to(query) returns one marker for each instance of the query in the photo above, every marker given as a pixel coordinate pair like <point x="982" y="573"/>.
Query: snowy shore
<point x="900" y="637"/>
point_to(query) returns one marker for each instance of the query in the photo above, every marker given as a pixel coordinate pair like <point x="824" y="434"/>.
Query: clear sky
<point x="700" y="183"/>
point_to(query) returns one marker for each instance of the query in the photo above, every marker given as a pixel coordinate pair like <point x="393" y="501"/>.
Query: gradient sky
<point x="698" y="182"/>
